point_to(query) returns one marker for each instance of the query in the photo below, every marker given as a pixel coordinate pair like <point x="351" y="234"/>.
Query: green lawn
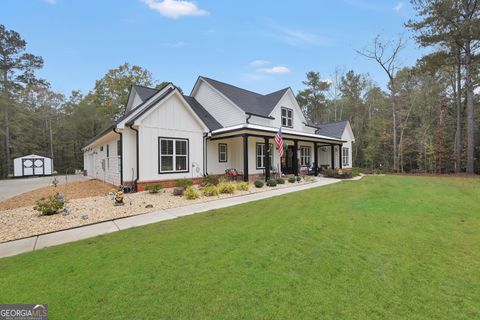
<point x="383" y="247"/>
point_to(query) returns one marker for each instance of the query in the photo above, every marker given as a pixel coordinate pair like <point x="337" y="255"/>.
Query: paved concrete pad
<point x="76" y="234"/>
<point x="12" y="187"/>
<point x="16" y="247"/>
<point x="143" y="219"/>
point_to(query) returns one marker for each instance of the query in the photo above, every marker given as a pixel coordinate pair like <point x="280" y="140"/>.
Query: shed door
<point x="33" y="167"/>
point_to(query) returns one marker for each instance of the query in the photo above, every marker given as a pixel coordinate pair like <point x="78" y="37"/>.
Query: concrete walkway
<point x="83" y="232"/>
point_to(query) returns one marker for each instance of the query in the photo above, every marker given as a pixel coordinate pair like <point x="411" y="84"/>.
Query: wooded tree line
<point x="426" y="119"/>
<point x="35" y="119"/>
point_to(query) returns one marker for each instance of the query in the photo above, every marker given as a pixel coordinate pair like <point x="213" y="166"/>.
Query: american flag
<point x="279" y="142"/>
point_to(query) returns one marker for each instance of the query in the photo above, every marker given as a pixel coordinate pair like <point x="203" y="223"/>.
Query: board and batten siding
<point x="129" y="155"/>
<point x="218" y="106"/>
<point x="99" y="166"/>
<point x="287" y="101"/>
<point x="234" y="156"/>
<point x="170" y="119"/>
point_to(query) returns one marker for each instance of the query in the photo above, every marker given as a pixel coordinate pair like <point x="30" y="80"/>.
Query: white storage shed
<point x="32" y="165"/>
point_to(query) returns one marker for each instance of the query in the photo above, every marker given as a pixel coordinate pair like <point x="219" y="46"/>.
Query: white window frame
<point x="261" y="154"/>
<point x="345" y="156"/>
<point x="222" y="154"/>
<point x="174" y="155"/>
<point x="287" y="119"/>
<point x="305" y="156"/>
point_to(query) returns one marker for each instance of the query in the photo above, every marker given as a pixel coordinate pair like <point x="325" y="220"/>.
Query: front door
<point x="287" y="161"/>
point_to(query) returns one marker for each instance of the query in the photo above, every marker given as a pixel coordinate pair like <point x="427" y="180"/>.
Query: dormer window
<point x="287" y="117"/>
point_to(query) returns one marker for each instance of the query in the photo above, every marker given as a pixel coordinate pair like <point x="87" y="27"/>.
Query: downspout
<point x="137" y="151"/>
<point x="205" y="135"/>
<point x="248" y="118"/>
<point x="121" y="155"/>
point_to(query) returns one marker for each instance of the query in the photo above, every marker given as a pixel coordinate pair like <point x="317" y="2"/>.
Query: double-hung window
<point x="287" y="117"/>
<point x="345" y="156"/>
<point x="173" y="155"/>
<point x="305" y="156"/>
<point x="222" y="152"/>
<point x="261" y="155"/>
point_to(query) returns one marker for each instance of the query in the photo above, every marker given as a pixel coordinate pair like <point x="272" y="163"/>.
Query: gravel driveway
<point x="13" y="187"/>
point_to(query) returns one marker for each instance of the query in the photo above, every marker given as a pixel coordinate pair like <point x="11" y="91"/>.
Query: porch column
<point x="266" y="160"/>
<point x="340" y="156"/>
<point x="315" y="158"/>
<point x="295" y="158"/>
<point x="332" y="151"/>
<point x="245" y="157"/>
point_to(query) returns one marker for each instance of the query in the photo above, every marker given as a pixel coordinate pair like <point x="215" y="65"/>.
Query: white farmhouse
<point x="166" y="136"/>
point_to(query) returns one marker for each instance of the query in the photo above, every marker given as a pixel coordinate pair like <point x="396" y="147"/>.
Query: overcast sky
<point x="260" y="45"/>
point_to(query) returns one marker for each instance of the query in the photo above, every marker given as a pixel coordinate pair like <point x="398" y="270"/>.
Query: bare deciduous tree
<point x="385" y="54"/>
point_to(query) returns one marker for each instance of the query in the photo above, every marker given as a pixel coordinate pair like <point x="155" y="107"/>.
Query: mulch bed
<point x="24" y="221"/>
<point x="73" y="190"/>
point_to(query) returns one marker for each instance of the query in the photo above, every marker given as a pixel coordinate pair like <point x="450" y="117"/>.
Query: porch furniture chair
<point x="311" y="170"/>
<point x="231" y="174"/>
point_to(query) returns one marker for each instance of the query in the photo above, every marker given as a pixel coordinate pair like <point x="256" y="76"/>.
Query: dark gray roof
<point x="248" y="101"/>
<point x="203" y="114"/>
<point x="144" y="92"/>
<point x="333" y="129"/>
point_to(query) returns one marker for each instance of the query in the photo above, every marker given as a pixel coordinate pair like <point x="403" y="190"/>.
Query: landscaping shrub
<point x="210" y="190"/>
<point x="227" y="187"/>
<point x="191" y="193"/>
<point x="345" y="175"/>
<point x="299" y="178"/>
<point x="292" y="179"/>
<point x="337" y="173"/>
<point x="272" y="183"/>
<point x="243" y="186"/>
<point x="355" y="172"/>
<point x="328" y="173"/>
<point x="154" y="188"/>
<point x="280" y="181"/>
<point x="183" y="183"/>
<point x="50" y="205"/>
<point x="211" y="180"/>
<point x="258" y="183"/>
<point x="309" y="179"/>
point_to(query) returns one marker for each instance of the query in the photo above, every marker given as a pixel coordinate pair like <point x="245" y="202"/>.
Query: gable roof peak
<point x="248" y="101"/>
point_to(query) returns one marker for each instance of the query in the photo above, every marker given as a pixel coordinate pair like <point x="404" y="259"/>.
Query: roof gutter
<point x="258" y="115"/>
<point x="311" y="125"/>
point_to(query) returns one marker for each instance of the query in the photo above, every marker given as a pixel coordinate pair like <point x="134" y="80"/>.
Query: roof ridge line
<point x="231" y="85"/>
<point x="139" y="85"/>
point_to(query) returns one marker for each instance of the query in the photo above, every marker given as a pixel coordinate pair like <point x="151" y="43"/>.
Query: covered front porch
<point x="251" y="150"/>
